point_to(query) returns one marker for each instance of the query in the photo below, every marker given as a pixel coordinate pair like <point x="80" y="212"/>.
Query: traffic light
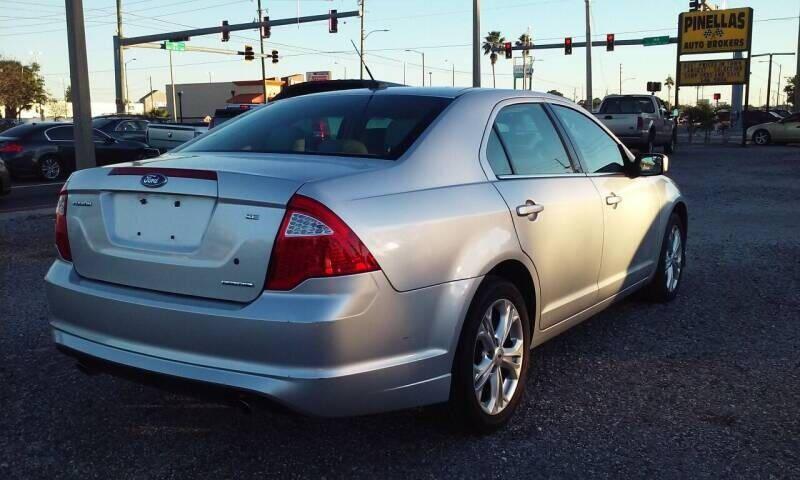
<point x="248" y="53"/>
<point x="694" y="5"/>
<point x="274" y="56"/>
<point x="266" y="30"/>
<point x="333" y="22"/>
<point x="568" y="46"/>
<point x="226" y="35"/>
<point x="507" y="49"/>
<point x="610" y="42"/>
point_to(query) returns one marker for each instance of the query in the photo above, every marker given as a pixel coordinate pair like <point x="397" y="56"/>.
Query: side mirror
<point x="649" y="164"/>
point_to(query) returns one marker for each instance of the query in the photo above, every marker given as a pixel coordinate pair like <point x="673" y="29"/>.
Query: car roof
<point x="448" y="92"/>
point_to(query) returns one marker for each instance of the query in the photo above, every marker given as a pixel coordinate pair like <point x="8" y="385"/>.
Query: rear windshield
<point x="20" y="130"/>
<point x="377" y="126"/>
<point x="628" y="105"/>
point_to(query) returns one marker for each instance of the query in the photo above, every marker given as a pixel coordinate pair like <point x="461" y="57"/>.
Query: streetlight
<point x="343" y="66"/>
<point x="430" y="79"/>
<point x="423" y="63"/>
<point x="623" y="80"/>
<point x="127" y="97"/>
<point x="363" y="44"/>
<point x="454" y="70"/>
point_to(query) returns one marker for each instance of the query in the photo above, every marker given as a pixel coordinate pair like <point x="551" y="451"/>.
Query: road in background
<point x="704" y="387"/>
<point x="30" y="195"/>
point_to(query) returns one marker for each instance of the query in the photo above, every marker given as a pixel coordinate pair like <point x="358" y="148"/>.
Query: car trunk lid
<point x="201" y="231"/>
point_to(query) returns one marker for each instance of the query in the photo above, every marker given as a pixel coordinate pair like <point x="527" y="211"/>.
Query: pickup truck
<point x="166" y="136"/>
<point x="640" y="121"/>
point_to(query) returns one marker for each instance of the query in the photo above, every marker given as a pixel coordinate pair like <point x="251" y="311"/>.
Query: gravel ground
<point x="707" y="386"/>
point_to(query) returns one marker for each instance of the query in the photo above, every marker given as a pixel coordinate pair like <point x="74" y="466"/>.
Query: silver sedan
<point x="363" y="251"/>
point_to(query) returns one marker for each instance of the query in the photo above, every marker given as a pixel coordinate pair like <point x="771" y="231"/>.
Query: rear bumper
<point x="331" y="347"/>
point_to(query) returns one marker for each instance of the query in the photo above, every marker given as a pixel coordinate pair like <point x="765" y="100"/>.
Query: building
<point x="196" y="101"/>
<point x="155" y="99"/>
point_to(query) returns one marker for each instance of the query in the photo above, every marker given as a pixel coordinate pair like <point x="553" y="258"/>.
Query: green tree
<point x="491" y="42"/>
<point x="68" y="94"/>
<point x="555" y="92"/>
<point x="21" y="87"/>
<point x="791" y="84"/>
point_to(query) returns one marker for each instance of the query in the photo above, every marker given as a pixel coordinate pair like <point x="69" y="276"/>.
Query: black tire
<point x="762" y="137"/>
<point x="660" y="289"/>
<point x="466" y="410"/>
<point x="669" y="147"/>
<point x="50" y="167"/>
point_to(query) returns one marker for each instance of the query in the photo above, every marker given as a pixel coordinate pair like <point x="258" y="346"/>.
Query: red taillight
<point x="314" y="242"/>
<point x="639" y="123"/>
<point x="62" y="239"/>
<point x="11" y="147"/>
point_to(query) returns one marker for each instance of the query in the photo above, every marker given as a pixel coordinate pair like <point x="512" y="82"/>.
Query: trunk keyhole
<point x="177" y="203"/>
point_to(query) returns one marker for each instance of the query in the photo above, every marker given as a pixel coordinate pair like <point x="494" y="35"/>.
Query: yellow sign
<point x="712" y="72"/>
<point x="715" y="31"/>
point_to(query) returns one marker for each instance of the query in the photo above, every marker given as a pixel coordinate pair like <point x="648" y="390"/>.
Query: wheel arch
<point x="520" y="275"/>
<point x="683" y="213"/>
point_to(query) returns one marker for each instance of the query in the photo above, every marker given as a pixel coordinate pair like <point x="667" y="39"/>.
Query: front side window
<point x="599" y="152"/>
<point x="524" y="137"/>
<point x="376" y="126"/>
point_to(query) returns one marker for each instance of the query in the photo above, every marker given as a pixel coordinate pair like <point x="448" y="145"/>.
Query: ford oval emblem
<point x="154" y="180"/>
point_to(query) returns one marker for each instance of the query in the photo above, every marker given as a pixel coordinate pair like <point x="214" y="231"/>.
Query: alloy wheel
<point x="50" y="168"/>
<point x="673" y="261"/>
<point x="498" y="355"/>
<point x="761" y="138"/>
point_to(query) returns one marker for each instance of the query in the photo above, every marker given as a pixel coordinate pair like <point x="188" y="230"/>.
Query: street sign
<point x="653" y="41"/>
<point x="713" y="72"/>
<point x="715" y="31"/>
<point x="176" y="46"/>
<point x="518" y="70"/>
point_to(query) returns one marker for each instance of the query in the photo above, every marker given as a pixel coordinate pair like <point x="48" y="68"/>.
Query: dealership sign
<point x="714" y="72"/>
<point x="715" y="31"/>
<point x="318" y="76"/>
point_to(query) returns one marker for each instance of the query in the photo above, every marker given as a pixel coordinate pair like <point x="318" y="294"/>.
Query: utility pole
<point x="589" y="97"/>
<point x="430" y="79"/>
<point x="476" y="43"/>
<point x="363" y="9"/>
<point x="79" y="76"/>
<point x="454" y="74"/>
<point x="778" y="92"/>
<point x="263" y="67"/>
<point x="769" y="75"/>
<point x="620" y="79"/>
<point x="152" y="106"/>
<point x="404" y="73"/>
<point x="172" y="82"/>
<point x="119" y="53"/>
<point x="797" y="72"/>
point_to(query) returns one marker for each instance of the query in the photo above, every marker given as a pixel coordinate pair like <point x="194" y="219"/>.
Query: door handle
<point x="608" y="117"/>
<point x="530" y="209"/>
<point x="613" y="199"/>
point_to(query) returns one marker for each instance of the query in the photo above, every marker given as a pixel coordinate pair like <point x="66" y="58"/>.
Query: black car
<point x="122" y="127"/>
<point x="6" y="123"/>
<point x="47" y="150"/>
<point x="755" y="117"/>
<point x="5" y="180"/>
<point x="222" y="115"/>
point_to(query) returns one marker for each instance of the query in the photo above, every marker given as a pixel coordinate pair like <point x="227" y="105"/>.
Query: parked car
<point x="47" y="150"/>
<point x="5" y="179"/>
<point x="166" y="136"/>
<point x="222" y="115"/>
<point x="781" y="112"/>
<point x="756" y="117"/>
<point x="122" y="127"/>
<point x="6" y="123"/>
<point x="785" y="130"/>
<point x="362" y="251"/>
<point x="640" y="121"/>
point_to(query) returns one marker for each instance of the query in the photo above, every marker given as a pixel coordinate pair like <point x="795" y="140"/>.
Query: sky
<point x="35" y="30"/>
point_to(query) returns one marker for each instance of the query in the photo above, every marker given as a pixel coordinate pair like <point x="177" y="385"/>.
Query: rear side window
<point x="599" y="152"/>
<point x="378" y="126"/>
<point x="524" y="136"/>
<point x="628" y="105"/>
<point x="59" y="133"/>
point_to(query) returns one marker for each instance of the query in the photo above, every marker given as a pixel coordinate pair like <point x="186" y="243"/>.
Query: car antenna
<point x="362" y="60"/>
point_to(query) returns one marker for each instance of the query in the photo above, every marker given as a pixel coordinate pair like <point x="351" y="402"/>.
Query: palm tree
<point x="669" y="82"/>
<point x="491" y="42"/>
<point x="524" y="41"/>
